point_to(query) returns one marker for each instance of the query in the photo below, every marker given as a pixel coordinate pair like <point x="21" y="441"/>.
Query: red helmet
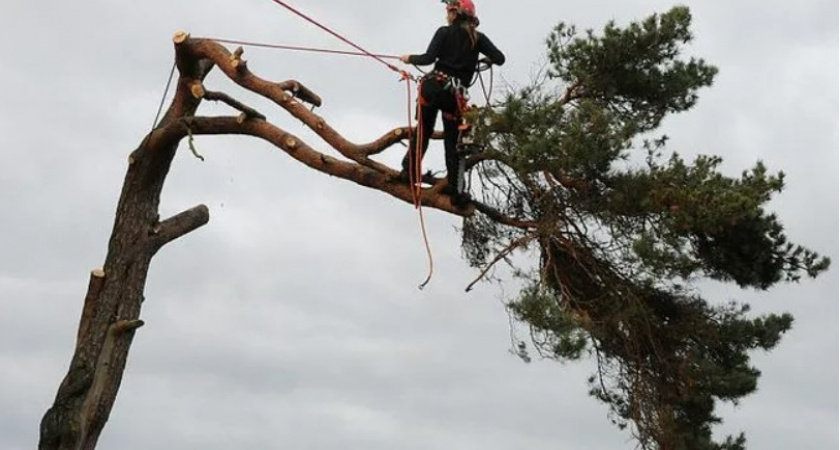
<point x="462" y="7"/>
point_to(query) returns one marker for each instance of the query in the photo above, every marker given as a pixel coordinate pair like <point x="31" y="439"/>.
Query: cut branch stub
<point x="179" y="225"/>
<point x="97" y="281"/>
<point x="300" y="91"/>
<point x="197" y="89"/>
<point x="236" y="60"/>
<point x="124" y="326"/>
<point x="180" y="37"/>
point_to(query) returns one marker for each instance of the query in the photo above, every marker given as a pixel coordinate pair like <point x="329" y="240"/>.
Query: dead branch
<point x="302" y="152"/>
<point x="301" y="92"/>
<point x="522" y="241"/>
<point x="249" y="113"/>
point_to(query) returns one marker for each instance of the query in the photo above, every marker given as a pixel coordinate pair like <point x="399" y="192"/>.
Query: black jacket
<point x="453" y="54"/>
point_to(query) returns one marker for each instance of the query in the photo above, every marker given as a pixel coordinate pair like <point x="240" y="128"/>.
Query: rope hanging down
<point x="415" y="180"/>
<point x="163" y="99"/>
<point x="408" y="78"/>
<point x="160" y="105"/>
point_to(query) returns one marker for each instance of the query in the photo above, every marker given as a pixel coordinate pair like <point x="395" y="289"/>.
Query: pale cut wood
<point x="180" y="37"/>
<point x="197" y="89"/>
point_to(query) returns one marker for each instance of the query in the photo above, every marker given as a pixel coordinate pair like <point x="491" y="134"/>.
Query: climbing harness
<point x="465" y="146"/>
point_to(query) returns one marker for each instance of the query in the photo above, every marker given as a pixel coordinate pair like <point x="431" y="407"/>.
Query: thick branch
<point x="277" y="92"/>
<point x="302" y="152"/>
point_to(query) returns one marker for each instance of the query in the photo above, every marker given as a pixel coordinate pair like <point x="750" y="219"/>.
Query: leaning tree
<point x="620" y="242"/>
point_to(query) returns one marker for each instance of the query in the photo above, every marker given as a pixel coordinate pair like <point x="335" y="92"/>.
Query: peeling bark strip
<point x="111" y="312"/>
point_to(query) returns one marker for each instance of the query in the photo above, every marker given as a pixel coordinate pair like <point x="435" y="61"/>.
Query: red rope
<point x="412" y="171"/>
<point x="415" y="178"/>
<point x="303" y="49"/>
<point x="340" y="37"/>
<point x="429" y="257"/>
<point x="416" y="175"/>
<point x="416" y="190"/>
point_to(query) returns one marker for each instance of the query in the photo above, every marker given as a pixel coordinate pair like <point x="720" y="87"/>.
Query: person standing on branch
<point x="454" y="50"/>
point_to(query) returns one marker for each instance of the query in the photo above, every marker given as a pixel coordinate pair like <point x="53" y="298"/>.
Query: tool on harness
<point x="465" y="145"/>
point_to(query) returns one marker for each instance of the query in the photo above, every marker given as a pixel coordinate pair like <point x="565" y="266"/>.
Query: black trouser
<point x="435" y="97"/>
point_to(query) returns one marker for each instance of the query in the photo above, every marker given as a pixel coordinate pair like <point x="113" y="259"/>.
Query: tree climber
<point x="454" y="50"/>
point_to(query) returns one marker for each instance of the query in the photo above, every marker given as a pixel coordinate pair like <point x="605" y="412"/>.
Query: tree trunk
<point x="111" y="311"/>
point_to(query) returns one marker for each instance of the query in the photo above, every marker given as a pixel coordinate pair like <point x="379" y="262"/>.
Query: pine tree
<point x="622" y="245"/>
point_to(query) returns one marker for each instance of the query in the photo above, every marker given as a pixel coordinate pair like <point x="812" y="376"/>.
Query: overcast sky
<point x="293" y="319"/>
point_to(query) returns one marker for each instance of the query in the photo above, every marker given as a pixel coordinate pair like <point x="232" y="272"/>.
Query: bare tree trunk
<point x="111" y="310"/>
